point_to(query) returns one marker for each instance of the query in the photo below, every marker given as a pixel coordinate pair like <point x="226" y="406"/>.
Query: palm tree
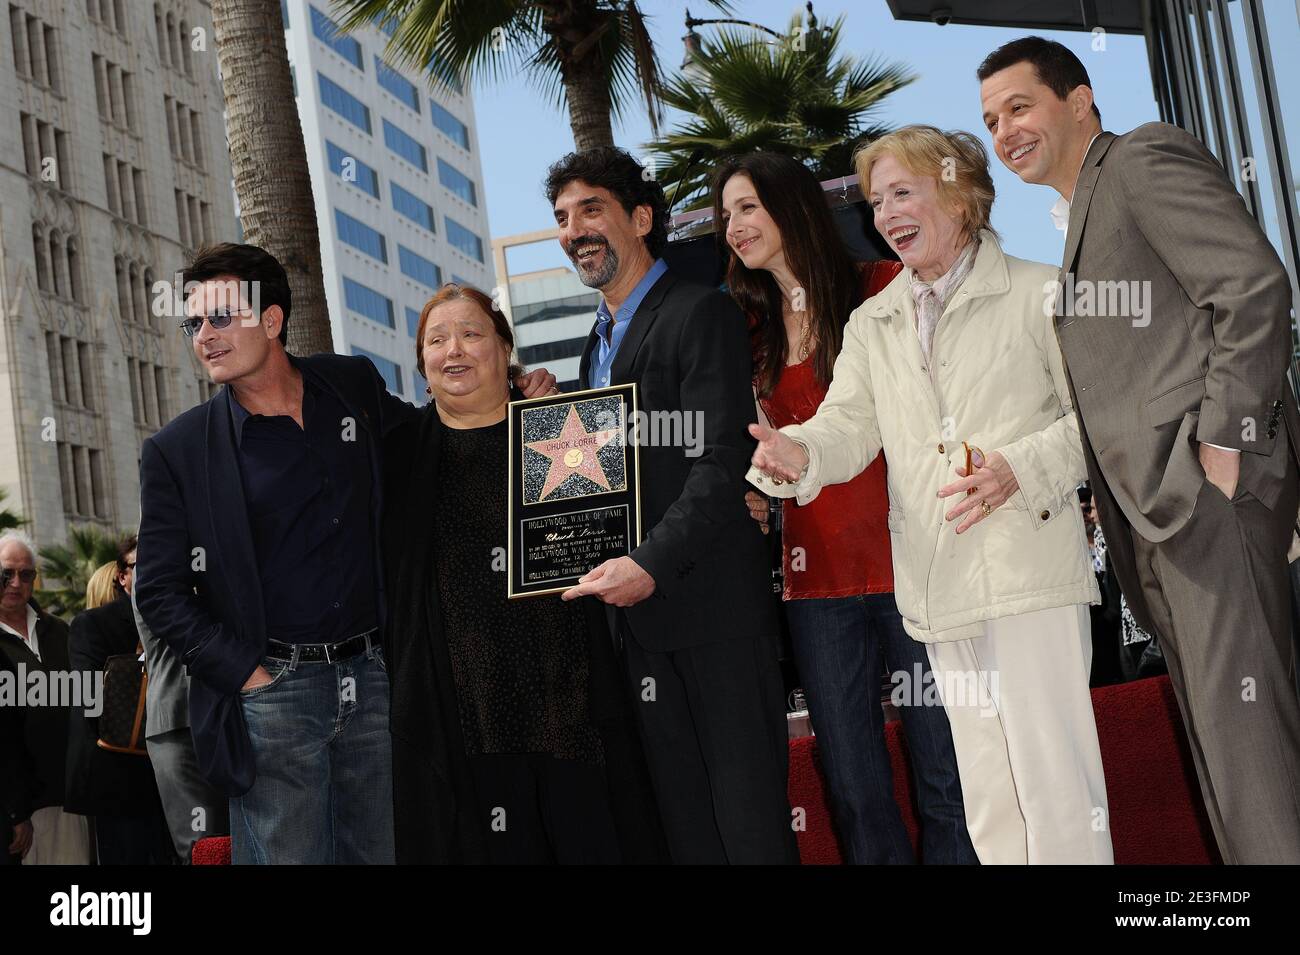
<point x="596" y="56"/>
<point x="269" y="160"/>
<point x="8" y="519"/>
<point x="797" y="96"/>
<point x="70" y="566"/>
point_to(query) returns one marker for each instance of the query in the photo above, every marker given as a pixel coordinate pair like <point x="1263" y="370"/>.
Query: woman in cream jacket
<point x="991" y="568"/>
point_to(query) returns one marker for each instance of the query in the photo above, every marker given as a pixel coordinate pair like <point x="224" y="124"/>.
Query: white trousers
<point x="58" y="838"/>
<point x="1026" y="742"/>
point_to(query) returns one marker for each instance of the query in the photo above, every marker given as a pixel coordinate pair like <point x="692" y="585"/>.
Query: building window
<point x="183" y="221"/>
<point x="361" y="237"/>
<point x="196" y="130"/>
<point x="66" y="482"/>
<point x="413" y="207"/>
<point x="390" y="371"/>
<point x="406" y="146"/>
<point x="463" y="239"/>
<point x="418" y="267"/>
<point x="54" y="359"/>
<point x="98" y="490"/>
<point x="351" y="169"/>
<point x="406" y="92"/>
<point x="98" y="67"/>
<point x="412" y="320"/>
<point x="456" y="181"/>
<point x="366" y="301"/>
<point x="58" y="266"/>
<point x="186" y="38"/>
<point x="454" y="129"/>
<point x="39" y="249"/>
<point x="74" y="270"/>
<point x="419" y="387"/>
<point x="160" y="31"/>
<point x="172" y="140"/>
<point x="328" y="32"/>
<point x="160" y="389"/>
<point x="18" y="34"/>
<point x="137" y="186"/>
<point x="344" y="103"/>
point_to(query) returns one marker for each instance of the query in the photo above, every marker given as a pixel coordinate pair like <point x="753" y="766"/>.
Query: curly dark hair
<point x="614" y="169"/>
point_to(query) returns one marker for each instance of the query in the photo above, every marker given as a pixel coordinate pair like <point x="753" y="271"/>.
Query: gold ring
<point x="984" y="506"/>
<point x="777" y="480"/>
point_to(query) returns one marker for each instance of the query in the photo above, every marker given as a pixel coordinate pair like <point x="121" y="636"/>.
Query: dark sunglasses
<point x="26" y="576"/>
<point x="218" y="320"/>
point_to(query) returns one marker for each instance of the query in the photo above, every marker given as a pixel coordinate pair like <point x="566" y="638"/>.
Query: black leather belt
<point x="321" y="652"/>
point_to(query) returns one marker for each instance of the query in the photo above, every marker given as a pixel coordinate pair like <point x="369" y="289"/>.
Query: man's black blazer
<point x="687" y="349"/>
<point x="197" y="583"/>
<point x="99" y="782"/>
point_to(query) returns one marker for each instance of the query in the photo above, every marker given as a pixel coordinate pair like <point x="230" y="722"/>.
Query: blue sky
<point x="520" y="133"/>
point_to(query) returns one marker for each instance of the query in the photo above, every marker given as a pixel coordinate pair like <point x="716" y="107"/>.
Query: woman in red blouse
<point x="788" y="269"/>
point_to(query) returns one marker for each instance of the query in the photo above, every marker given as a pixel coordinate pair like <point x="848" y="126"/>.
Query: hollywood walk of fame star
<point x="573" y="451"/>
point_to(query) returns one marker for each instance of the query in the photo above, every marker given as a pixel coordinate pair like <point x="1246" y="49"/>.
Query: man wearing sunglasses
<point x="259" y="565"/>
<point x="32" y="642"/>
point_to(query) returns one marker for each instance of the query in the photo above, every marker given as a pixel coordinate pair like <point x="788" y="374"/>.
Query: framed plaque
<point x="574" y="495"/>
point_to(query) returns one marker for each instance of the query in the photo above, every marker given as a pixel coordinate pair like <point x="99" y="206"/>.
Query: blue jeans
<point x="841" y="646"/>
<point x="324" y="788"/>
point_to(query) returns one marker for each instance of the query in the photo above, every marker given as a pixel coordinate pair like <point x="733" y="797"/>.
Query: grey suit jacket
<point x="166" y="702"/>
<point x="1200" y="353"/>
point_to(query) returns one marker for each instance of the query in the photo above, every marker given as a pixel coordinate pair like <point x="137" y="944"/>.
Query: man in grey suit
<point x="193" y="808"/>
<point x="1173" y="316"/>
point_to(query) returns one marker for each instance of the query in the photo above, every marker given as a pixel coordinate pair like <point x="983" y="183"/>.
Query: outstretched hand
<point x="777" y="455"/>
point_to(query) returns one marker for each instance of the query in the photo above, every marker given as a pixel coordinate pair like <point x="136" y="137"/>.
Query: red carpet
<point x="1156" y="812"/>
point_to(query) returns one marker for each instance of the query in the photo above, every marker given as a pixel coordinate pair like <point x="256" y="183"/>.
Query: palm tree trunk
<point x="269" y="160"/>
<point x="589" y="109"/>
<point x="572" y="23"/>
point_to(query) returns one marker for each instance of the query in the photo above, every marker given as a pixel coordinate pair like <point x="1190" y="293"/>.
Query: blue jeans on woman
<point x="324" y="788"/>
<point x="841" y="646"/>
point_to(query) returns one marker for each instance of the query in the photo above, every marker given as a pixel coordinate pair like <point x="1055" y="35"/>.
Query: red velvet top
<point x="838" y="544"/>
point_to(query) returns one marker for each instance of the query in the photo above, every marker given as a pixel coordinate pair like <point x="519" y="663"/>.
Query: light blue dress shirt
<point x="608" y="340"/>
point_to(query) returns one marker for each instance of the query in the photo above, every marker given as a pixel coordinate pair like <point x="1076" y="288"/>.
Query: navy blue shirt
<point x="308" y="496"/>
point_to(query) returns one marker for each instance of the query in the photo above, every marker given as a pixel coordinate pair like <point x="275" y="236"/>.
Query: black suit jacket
<point x="197" y="582"/>
<point x="100" y="782"/>
<point x="687" y="349"/>
<point x="42" y="742"/>
<point x="16" y="783"/>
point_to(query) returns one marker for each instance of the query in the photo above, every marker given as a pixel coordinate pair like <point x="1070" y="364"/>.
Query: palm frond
<point x="801" y="97"/>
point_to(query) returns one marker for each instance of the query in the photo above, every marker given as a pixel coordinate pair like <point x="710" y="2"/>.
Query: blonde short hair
<point x="100" y="588"/>
<point x="929" y="151"/>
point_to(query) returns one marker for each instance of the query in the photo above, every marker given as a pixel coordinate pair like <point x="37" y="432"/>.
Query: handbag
<point x="121" y="724"/>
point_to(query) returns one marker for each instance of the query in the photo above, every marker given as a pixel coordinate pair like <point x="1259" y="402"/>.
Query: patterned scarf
<point x="933" y="297"/>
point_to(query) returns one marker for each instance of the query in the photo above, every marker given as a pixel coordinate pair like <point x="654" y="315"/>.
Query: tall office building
<point x="397" y="184"/>
<point x="112" y="168"/>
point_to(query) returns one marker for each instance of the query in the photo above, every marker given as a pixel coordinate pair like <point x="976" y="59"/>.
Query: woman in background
<point x="116" y="790"/>
<point x="788" y="269"/>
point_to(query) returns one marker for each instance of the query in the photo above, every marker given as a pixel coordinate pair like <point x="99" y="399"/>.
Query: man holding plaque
<point x="690" y="607"/>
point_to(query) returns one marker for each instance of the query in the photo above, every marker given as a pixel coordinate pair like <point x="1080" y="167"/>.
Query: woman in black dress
<point x="512" y="740"/>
